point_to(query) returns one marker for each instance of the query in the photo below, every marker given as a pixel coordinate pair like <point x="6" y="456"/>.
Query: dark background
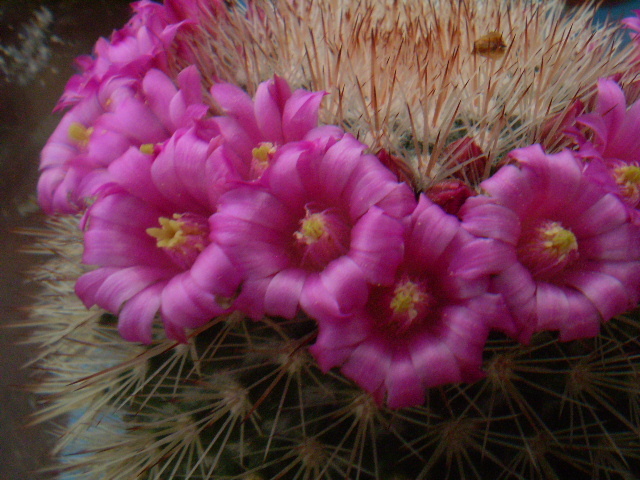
<point x="40" y="61"/>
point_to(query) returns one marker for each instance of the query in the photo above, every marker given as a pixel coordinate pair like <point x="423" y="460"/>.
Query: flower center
<point x="406" y="306"/>
<point x="628" y="180"/>
<point x="547" y="249"/>
<point x="80" y="134"/>
<point x="321" y="238"/>
<point x="262" y="156"/>
<point x="312" y="228"/>
<point x="182" y="237"/>
<point x="147" y="148"/>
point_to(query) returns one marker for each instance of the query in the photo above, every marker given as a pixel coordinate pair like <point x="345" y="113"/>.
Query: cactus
<point x="446" y="94"/>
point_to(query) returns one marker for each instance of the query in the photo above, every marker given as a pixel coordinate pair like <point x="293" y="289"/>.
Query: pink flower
<point x="575" y="256"/>
<point x="255" y="129"/>
<point x="142" y="44"/>
<point x="426" y="327"/>
<point x="614" y="150"/>
<point x="149" y="235"/>
<point x="96" y="131"/>
<point x="322" y="205"/>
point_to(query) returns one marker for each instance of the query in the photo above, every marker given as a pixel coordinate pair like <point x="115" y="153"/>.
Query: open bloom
<point x="426" y="327"/>
<point x="614" y="150"/>
<point x="148" y="232"/>
<point x="144" y="43"/>
<point x="96" y="131"/>
<point x="575" y="258"/>
<point x="255" y="128"/>
<point x="321" y="205"/>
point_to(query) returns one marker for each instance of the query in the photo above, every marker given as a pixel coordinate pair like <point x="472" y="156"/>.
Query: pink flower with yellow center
<point x="613" y="152"/>
<point x="321" y="206"/>
<point x="426" y="327"/>
<point x="575" y="259"/>
<point x="148" y="232"/>
<point x="96" y="131"/>
<point x="144" y="43"/>
<point x="254" y="129"/>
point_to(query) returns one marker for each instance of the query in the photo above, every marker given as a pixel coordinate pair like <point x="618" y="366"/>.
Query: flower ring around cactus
<point x="345" y="240"/>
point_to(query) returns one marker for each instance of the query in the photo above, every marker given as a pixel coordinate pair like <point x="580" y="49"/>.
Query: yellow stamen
<point x="559" y="241"/>
<point x="170" y="234"/>
<point x="406" y="299"/>
<point x="147" y="148"/>
<point x="312" y="228"/>
<point x="79" y="133"/>
<point x="264" y="152"/>
<point x="628" y="179"/>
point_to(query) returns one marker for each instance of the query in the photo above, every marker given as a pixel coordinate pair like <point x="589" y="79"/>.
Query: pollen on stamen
<point x="262" y="156"/>
<point x="170" y="233"/>
<point x="548" y="249"/>
<point x="79" y="133"/>
<point x="409" y="304"/>
<point x="628" y="180"/>
<point x="312" y="228"/>
<point x="147" y="148"/>
<point x="182" y="237"/>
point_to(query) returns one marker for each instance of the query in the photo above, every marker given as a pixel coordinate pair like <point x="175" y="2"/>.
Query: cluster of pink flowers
<point x="188" y="216"/>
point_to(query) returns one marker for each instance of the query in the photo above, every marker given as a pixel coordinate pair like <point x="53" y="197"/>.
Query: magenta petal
<point x="324" y="134"/>
<point x="300" y="114"/>
<point x="377" y="246"/>
<point x="604" y="215"/>
<point x="251" y="298"/>
<point x="283" y="177"/>
<point x="568" y="311"/>
<point x="555" y="179"/>
<point x="52" y="196"/>
<point x="329" y="174"/>
<point x="283" y="293"/>
<point x="213" y="272"/>
<point x="135" y="120"/>
<point x="186" y="305"/>
<point x="466" y="336"/>
<point x="435" y="361"/>
<point x="335" y="292"/>
<point x="236" y="137"/>
<point x="175" y="332"/>
<point x="597" y="124"/>
<point x="133" y="172"/>
<point x="607" y="294"/>
<point x="518" y="288"/>
<point x="123" y="284"/>
<point x="368" y="366"/>
<point x="191" y="85"/>
<point x="612" y="106"/>
<point x="432" y="232"/>
<point x="403" y="384"/>
<point x="482" y="257"/>
<point x="268" y="112"/>
<point x="372" y="184"/>
<point x="135" y="320"/>
<point x="483" y="218"/>
<point x="165" y="172"/>
<point x="627" y="142"/>
<point x="510" y="187"/>
<point x="552" y="306"/>
<point x="88" y="284"/>
<point x="619" y="244"/>
<point x="238" y="105"/>
<point x="329" y="357"/>
<point x="159" y="90"/>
